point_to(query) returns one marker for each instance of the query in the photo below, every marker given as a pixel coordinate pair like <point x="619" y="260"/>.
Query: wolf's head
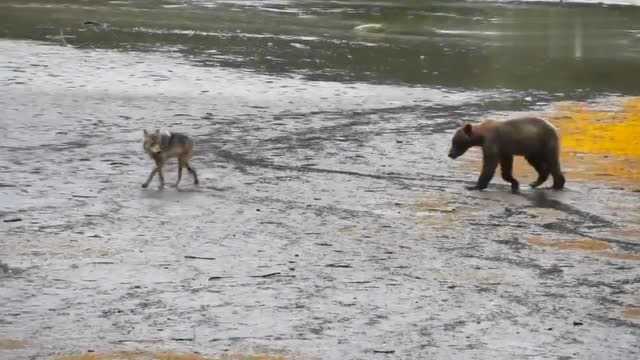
<point x="152" y="142"/>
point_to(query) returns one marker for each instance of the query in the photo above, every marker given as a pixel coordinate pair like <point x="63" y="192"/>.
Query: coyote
<point x="162" y="146"/>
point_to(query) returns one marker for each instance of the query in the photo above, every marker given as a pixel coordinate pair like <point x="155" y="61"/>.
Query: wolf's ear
<point x="467" y="129"/>
<point x="157" y="132"/>
<point x="145" y="133"/>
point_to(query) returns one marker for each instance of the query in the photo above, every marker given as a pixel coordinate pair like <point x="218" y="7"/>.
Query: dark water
<point x="568" y="49"/>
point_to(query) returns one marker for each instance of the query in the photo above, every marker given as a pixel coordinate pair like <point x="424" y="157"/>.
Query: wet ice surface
<point x="338" y="228"/>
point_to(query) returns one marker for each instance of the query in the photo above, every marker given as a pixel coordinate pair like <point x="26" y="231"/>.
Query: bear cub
<point x="533" y="138"/>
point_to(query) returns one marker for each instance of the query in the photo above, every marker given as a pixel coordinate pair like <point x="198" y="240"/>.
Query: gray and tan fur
<point x="161" y="146"/>
<point x="533" y="138"/>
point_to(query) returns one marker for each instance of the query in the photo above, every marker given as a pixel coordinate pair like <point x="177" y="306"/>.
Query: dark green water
<point x="576" y="49"/>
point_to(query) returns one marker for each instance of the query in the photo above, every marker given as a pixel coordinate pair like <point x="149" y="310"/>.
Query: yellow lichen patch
<point x="623" y="256"/>
<point x="629" y="233"/>
<point x="579" y="244"/>
<point x="631" y="313"/>
<point x="95" y="356"/>
<point x="134" y="355"/>
<point x="348" y="230"/>
<point x="545" y="215"/>
<point x="592" y="246"/>
<point x="143" y="355"/>
<point x="434" y="205"/>
<point x="252" y="357"/>
<point x="437" y="211"/>
<point x="12" y="344"/>
<point x="600" y="144"/>
<point x="173" y="356"/>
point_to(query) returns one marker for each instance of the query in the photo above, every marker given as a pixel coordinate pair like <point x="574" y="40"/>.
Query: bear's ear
<point x="467" y="129"/>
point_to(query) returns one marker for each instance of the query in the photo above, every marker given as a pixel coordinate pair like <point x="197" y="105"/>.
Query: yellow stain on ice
<point x="132" y="355"/>
<point x="592" y="246"/>
<point x="12" y="344"/>
<point x="631" y="313"/>
<point x="599" y="144"/>
<point x="439" y="212"/>
<point x="579" y="244"/>
<point x="143" y="355"/>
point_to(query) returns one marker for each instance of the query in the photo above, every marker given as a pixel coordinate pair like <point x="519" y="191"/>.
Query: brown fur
<point x="533" y="138"/>
<point x="163" y="146"/>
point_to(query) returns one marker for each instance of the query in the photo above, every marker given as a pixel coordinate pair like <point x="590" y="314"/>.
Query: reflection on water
<point x="436" y="43"/>
<point x="578" y="47"/>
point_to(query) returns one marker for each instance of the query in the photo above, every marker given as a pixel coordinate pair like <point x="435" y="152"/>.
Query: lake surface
<point x="569" y="49"/>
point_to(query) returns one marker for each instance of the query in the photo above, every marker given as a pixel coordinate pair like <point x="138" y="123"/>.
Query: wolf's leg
<point x="180" y="166"/>
<point x="160" y="176"/>
<point x="153" y="173"/>
<point x="192" y="171"/>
